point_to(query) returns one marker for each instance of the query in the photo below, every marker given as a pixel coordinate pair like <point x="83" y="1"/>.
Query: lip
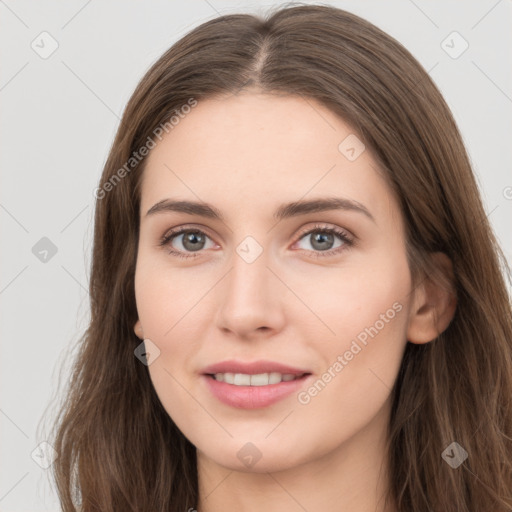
<point x="252" y="368"/>
<point x="252" y="397"/>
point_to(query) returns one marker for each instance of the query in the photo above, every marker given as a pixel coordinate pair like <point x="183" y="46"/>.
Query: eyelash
<point x="348" y="242"/>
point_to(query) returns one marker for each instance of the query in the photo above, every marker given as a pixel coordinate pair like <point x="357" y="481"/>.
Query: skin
<point x="246" y="155"/>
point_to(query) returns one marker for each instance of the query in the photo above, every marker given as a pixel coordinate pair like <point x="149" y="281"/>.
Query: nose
<point x="250" y="299"/>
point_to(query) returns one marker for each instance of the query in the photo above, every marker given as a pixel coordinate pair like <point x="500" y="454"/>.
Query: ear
<point x="434" y="303"/>
<point x="137" y="328"/>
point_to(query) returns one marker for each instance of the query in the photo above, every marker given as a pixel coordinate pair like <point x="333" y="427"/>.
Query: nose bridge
<point x="249" y="298"/>
<point x="249" y="270"/>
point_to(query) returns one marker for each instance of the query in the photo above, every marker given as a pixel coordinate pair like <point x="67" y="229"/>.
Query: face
<point x="317" y="293"/>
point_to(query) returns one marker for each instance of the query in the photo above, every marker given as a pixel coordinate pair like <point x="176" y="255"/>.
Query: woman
<point x="296" y="295"/>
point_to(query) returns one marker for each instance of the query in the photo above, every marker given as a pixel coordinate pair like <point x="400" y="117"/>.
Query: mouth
<point x="253" y="385"/>
<point x="254" y="390"/>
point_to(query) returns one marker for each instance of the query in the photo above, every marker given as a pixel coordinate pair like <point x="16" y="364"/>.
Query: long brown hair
<point x="118" y="449"/>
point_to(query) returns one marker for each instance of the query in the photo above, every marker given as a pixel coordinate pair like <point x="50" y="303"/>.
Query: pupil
<point x="194" y="239"/>
<point x="322" y="239"/>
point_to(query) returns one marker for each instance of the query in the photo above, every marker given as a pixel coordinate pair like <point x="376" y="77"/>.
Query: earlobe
<point x="434" y="303"/>
<point x="137" y="328"/>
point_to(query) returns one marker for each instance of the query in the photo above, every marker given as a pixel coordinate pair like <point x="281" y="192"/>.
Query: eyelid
<point x="326" y="227"/>
<point x="187" y="227"/>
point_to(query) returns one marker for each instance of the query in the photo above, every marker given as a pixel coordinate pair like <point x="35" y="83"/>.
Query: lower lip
<point x="252" y="397"/>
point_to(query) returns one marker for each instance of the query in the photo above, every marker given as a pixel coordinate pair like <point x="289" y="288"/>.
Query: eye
<point x="192" y="240"/>
<point x="322" y="241"/>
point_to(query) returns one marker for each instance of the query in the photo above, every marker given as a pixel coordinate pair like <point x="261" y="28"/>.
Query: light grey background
<point x="59" y="116"/>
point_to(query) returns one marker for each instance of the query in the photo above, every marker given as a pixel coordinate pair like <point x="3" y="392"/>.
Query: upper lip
<point x="252" y="368"/>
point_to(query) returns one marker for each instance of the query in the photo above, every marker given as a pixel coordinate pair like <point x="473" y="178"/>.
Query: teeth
<point x="261" y="379"/>
<point x="241" y="379"/>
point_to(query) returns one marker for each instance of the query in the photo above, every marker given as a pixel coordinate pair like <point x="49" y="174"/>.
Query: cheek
<point x="165" y="308"/>
<point x="167" y="305"/>
<point x="367" y="310"/>
<point x="166" y="298"/>
<point x="352" y="298"/>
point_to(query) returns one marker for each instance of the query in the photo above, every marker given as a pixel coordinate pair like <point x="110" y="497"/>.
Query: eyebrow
<point x="284" y="211"/>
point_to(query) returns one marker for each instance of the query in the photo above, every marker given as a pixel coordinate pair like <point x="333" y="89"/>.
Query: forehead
<point x="260" y="150"/>
<point x="254" y="124"/>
